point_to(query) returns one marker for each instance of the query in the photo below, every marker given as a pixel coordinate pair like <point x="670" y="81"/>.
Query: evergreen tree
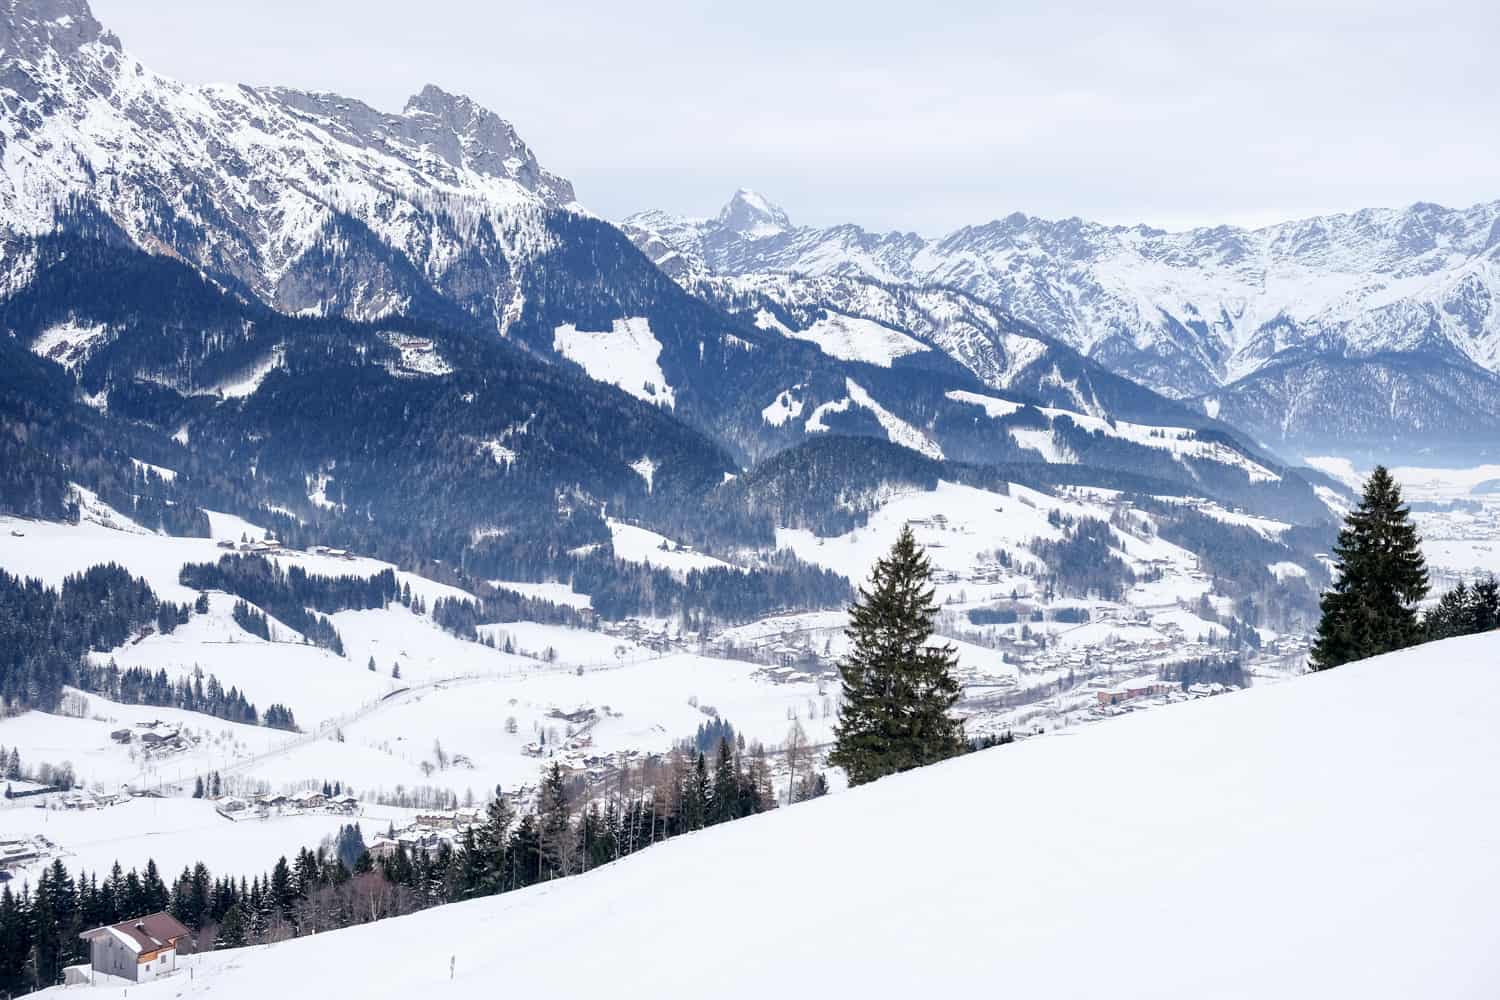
<point x="15" y="943"/>
<point x="1485" y="597"/>
<point x="46" y="934"/>
<point x="556" y="833"/>
<point x="232" y="928"/>
<point x="153" y="892"/>
<point x="283" y="893"/>
<point x="1454" y="615"/>
<point x="897" y="689"/>
<point x="695" y="794"/>
<point x="525" y="853"/>
<point x="725" y="804"/>
<point x="492" y="841"/>
<point x="1380" y="578"/>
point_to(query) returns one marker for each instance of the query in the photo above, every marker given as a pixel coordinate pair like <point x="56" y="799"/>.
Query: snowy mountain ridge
<point x="256" y="185"/>
<point x="1182" y="312"/>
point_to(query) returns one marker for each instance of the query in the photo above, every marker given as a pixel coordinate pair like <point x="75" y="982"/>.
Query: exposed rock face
<point x="309" y="202"/>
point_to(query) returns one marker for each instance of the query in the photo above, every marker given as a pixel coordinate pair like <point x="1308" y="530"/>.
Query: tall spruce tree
<point x="1485" y="602"/>
<point x="555" y="818"/>
<point x="1380" y="578"/>
<point x="897" y="689"/>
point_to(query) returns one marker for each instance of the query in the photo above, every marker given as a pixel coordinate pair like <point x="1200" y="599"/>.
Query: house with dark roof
<point x="140" y="950"/>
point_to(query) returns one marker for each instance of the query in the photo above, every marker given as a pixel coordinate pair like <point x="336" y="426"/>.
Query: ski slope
<point x="1333" y="836"/>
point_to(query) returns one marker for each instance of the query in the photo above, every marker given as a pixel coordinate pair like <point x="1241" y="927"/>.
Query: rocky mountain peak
<point x="465" y="132"/>
<point x="28" y="27"/>
<point x="457" y="110"/>
<point x="753" y="215"/>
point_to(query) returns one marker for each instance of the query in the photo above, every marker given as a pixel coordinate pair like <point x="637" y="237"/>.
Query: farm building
<point x="139" y="950"/>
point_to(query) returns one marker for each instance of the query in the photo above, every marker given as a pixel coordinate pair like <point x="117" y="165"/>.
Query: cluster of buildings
<point x="573" y="751"/>
<point x="82" y="800"/>
<point x="1125" y="697"/>
<point x="277" y="804"/>
<point x="1131" y="690"/>
<point x="156" y="739"/>
<point x="269" y="546"/>
<point x="262" y="547"/>
<point x="426" y="834"/>
<point x="20" y="852"/>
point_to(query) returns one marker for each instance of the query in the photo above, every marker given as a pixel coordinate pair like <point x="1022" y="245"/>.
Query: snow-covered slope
<point x="1330" y="836"/>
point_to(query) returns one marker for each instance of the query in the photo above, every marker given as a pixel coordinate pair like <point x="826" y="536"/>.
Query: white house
<point x="139" y="950"/>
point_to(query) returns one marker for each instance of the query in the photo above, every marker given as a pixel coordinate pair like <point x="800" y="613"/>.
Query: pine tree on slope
<point x="1485" y="602"/>
<point x="1380" y="578"/>
<point x="1454" y="615"/>
<point x="897" y="689"/>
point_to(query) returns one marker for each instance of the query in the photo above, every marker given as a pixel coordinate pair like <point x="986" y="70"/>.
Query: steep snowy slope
<point x="1330" y="836"/>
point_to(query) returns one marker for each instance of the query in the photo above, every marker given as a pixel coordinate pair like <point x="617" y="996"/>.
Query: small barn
<point x="140" y="950"/>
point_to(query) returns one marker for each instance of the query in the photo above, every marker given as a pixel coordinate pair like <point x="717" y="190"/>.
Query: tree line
<point x="45" y="631"/>
<point x="46" y="634"/>
<point x="288" y="594"/>
<point x="139" y="686"/>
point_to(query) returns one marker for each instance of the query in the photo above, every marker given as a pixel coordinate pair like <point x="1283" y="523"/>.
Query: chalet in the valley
<point x="139" y="950"/>
<point x="308" y="800"/>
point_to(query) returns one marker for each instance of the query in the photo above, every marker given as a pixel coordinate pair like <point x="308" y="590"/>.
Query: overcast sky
<point x="915" y="116"/>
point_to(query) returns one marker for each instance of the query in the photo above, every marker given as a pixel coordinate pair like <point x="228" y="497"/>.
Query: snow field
<point x="961" y="526"/>
<point x="69" y="344"/>
<point x="178" y="832"/>
<point x="627" y="355"/>
<point x="993" y="406"/>
<point x="645" y="706"/>
<point x="641" y="545"/>
<point x="102" y="763"/>
<point x="849" y="338"/>
<point x="783" y="408"/>
<point x="555" y="593"/>
<point x="51" y="551"/>
<point x="1276" y="842"/>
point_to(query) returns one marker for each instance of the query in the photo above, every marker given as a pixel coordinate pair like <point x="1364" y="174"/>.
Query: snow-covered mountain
<point x="1277" y="842"/>
<point x="464" y="261"/>
<point x="266" y="189"/>
<point x="1186" y="313"/>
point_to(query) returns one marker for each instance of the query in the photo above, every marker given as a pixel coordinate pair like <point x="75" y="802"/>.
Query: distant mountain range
<point x="1354" y="330"/>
